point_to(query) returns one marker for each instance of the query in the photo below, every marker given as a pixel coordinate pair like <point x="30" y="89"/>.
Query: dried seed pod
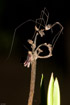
<point x="40" y="50"/>
<point x="41" y="32"/>
<point x="30" y="41"/>
<point x="36" y="29"/>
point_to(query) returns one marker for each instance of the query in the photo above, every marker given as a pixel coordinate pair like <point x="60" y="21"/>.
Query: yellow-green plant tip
<point x="42" y="77"/>
<point x="56" y="93"/>
<point x="50" y="91"/>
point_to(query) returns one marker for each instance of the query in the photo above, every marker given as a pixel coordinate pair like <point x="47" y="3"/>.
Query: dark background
<point x="14" y="78"/>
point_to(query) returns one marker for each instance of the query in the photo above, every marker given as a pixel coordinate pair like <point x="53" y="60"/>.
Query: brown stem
<point x="32" y="82"/>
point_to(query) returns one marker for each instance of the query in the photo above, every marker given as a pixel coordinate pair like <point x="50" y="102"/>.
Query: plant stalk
<point x="32" y="82"/>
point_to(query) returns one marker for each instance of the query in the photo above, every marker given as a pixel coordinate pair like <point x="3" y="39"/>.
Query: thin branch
<point x="32" y="82"/>
<point x="49" y="48"/>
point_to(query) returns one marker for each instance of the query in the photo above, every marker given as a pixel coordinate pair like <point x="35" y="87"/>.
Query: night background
<point x="14" y="77"/>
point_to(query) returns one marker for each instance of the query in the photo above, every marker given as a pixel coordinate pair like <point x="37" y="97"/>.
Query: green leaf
<point x="50" y="91"/>
<point x="42" y="78"/>
<point x="42" y="91"/>
<point x="56" y="93"/>
<point x="53" y="96"/>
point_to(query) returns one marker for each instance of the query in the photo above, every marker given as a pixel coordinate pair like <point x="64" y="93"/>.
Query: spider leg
<point x="37" y="33"/>
<point x="41" y="16"/>
<point x="47" y="13"/>
<point x="58" y="34"/>
<point x="33" y="35"/>
<point x="40" y="21"/>
<point x="43" y="13"/>
<point x="57" y="23"/>
<point x="51" y="30"/>
<point x="56" y="38"/>
<point x="30" y="20"/>
<point x="15" y="34"/>
<point x="40" y="24"/>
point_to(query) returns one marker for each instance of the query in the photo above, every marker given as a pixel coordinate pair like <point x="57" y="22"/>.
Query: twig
<point x="35" y="53"/>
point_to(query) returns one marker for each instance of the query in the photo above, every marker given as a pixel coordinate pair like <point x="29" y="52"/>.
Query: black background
<point x="14" y="78"/>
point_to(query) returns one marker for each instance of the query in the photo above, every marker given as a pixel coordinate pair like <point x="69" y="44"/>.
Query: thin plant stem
<point x="36" y="50"/>
<point x="32" y="82"/>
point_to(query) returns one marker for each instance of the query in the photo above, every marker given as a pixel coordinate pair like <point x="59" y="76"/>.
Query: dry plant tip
<point x="30" y="41"/>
